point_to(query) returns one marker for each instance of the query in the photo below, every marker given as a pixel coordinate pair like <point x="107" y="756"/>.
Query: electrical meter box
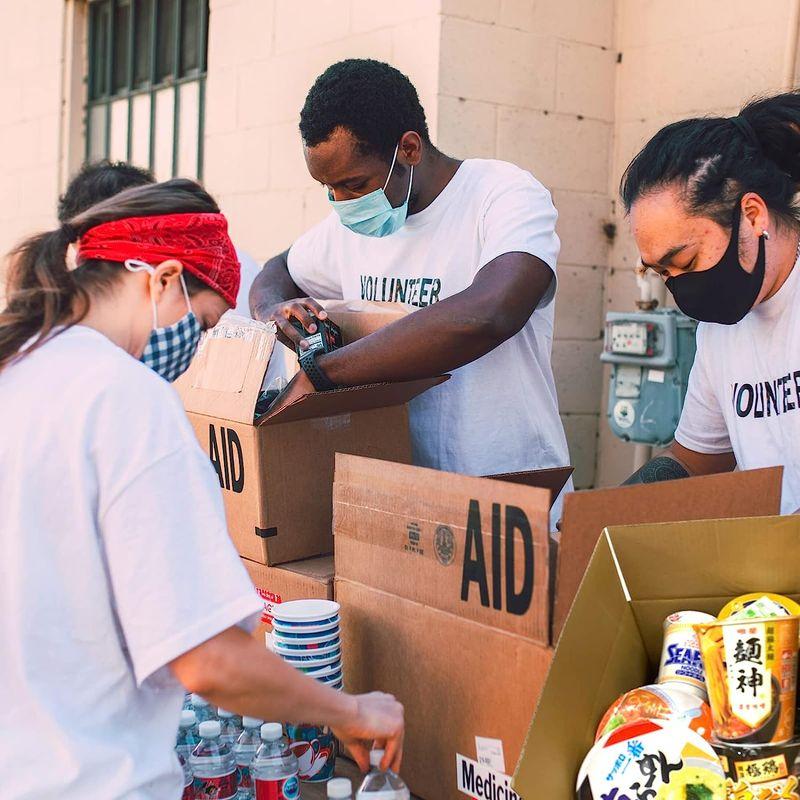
<point x="651" y="354"/>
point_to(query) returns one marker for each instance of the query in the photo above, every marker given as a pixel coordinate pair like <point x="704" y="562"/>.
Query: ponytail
<point x="712" y="161"/>
<point x="43" y="294"/>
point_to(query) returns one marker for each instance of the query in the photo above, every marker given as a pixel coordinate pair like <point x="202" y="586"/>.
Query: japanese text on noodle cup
<point x="751" y="673"/>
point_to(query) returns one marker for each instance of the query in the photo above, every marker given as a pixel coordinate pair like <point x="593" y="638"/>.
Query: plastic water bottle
<point x="203" y="709"/>
<point x="380" y="785"/>
<point x="244" y="752"/>
<point x="188" y="735"/>
<point x="188" y="780"/>
<point x="340" y="789"/>
<point x="275" y="769"/>
<point x="231" y="726"/>
<point x="213" y="765"/>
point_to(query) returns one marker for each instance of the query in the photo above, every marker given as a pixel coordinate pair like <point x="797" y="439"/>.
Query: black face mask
<point x="725" y="292"/>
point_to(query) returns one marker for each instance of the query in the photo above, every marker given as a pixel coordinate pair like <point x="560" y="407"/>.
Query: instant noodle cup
<point x="667" y="703"/>
<point x="306" y="639"/>
<point x="654" y="760"/>
<point x="681" y="663"/>
<point x="768" y="604"/>
<point x="761" y="772"/>
<point x="751" y="675"/>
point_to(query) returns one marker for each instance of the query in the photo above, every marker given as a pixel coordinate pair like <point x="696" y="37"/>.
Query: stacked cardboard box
<point x="447" y="600"/>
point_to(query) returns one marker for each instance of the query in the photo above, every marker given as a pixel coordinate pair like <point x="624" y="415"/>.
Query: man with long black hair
<point x="469" y="246"/>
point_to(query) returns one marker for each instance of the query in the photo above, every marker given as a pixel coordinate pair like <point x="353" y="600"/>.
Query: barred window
<point x="146" y="84"/>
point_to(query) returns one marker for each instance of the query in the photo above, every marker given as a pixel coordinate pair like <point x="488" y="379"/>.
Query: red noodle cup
<point x="751" y="676"/>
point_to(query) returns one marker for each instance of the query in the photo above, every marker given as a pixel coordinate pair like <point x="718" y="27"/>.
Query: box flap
<point x="751" y="493"/>
<point x="599" y="656"/>
<point x="553" y="479"/>
<point x="348" y="400"/>
<point x="224" y="378"/>
<point x="360" y="318"/>
<point x="469" y="546"/>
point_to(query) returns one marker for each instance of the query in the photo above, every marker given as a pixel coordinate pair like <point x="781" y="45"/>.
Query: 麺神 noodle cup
<point x="751" y="674"/>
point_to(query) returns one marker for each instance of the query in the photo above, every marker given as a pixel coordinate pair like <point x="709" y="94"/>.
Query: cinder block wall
<point x="682" y="58"/>
<point x="31" y="48"/>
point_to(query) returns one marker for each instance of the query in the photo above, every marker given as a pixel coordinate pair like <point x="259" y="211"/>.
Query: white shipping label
<point x="481" y="782"/>
<point x="490" y="753"/>
<point x="655" y="375"/>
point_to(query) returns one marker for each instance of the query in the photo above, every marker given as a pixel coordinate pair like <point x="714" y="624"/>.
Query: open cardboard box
<point x="276" y="472"/>
<point x="447" y="602"/>
<point x="612" y="639"/>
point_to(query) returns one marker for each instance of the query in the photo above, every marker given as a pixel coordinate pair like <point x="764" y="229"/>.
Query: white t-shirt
<point x="115" y="560"/>
<point x="499" y="413"/>
<point x="744" y="390"/>
<point x="249" y="270"/>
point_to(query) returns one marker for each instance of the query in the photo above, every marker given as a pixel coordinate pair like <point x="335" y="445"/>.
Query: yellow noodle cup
<point x="751" y="676"/>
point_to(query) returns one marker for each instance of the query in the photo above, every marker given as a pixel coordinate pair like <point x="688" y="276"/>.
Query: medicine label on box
<point x="482" y="782"/>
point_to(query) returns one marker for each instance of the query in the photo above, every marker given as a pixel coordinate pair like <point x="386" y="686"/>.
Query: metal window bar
<point x="104" y="99"/>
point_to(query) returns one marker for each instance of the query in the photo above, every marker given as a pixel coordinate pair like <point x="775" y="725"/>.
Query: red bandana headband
<point x="199" y="241"/>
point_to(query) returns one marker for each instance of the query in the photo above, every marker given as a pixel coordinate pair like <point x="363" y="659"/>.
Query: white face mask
<point x="170" y="350"/>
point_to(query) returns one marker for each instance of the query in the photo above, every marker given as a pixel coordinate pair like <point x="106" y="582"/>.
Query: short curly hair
<point x="98" y="181"/>
<point x="374" y="101"/>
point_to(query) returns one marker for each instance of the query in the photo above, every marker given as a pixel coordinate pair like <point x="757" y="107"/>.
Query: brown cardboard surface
<point x="610" y="645"/>
<point x="350" y="399"/>
<point x="471" y="546"/>
<point x="224" y="378"/>
<point x="300" y="580"/>
<point x="553" y="479"/>
<point x="457" y="679"/>
<point x="359" y="318"/>
<point x="737" y="494"/>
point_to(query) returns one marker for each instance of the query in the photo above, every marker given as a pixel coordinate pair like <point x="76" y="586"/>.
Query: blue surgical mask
<point x="372" y="214"/>
<point x="170" y="350"/>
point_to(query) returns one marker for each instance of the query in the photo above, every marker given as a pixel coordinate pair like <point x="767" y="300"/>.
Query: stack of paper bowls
<point x="306" y="635"/>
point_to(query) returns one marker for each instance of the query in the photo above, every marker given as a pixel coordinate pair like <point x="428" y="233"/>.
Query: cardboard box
<point x="300" y="580"/>
<point x="612" y="638"/>
<point x="276" y="473"/>
<point x="444" y="584"/>
<point x="740" y="494"/>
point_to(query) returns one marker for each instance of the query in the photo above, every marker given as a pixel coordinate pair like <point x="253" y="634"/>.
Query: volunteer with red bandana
<point x="120" y="587"/>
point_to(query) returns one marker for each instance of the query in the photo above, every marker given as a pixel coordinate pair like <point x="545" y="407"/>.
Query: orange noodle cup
<point x="751" y="676"/>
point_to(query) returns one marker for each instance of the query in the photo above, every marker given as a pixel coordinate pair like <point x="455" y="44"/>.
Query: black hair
<point x="96" y="182"/>
<point x="714" y="160"/>
<point x="372" y="100"/>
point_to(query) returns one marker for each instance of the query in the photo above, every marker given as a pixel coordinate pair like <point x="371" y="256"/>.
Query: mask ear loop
<point x="394" y="158"/>
<point x="137" y="265"/>
<point x="186" y="295"/>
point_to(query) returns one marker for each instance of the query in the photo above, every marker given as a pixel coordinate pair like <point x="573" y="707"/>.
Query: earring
<point x="765" y="234"/>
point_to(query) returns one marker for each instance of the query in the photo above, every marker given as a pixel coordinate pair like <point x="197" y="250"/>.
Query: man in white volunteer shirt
<point x="713" y="208"/>
<point x="469" y="246"/>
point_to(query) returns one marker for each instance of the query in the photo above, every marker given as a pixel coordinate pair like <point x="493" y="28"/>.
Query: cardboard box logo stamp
<point x="444" y="545"/>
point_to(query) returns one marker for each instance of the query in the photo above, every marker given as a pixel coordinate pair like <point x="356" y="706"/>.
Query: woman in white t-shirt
<point x="119" y="586"/>
<point x="714" y="209"/>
